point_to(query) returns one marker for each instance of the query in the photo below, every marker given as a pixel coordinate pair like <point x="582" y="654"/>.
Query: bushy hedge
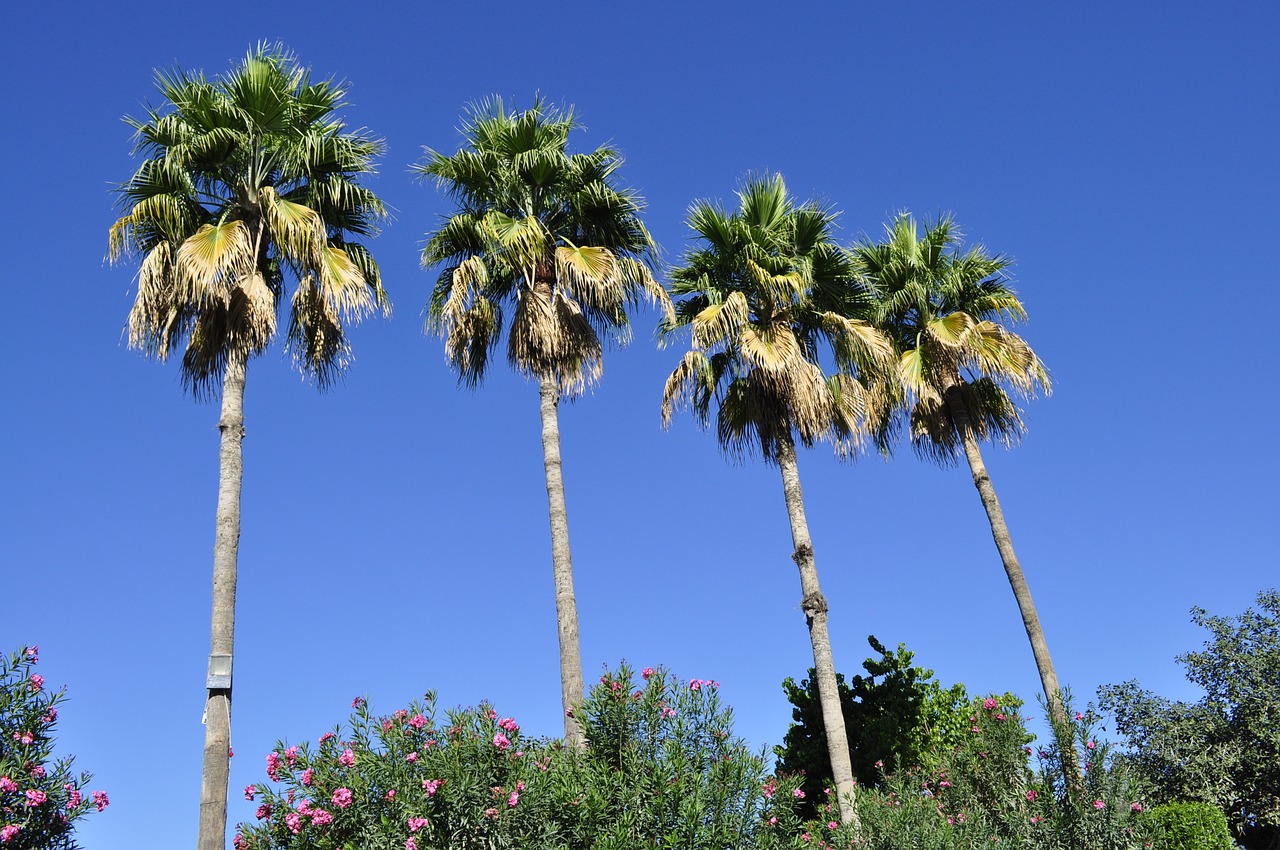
<point x="1190" y="826"/>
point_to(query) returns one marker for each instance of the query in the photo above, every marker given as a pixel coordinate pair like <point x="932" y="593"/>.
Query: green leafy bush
<point x="1190" y="826"/>
<point x="40" y="798"/>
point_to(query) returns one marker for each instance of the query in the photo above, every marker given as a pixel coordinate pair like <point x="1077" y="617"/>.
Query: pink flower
<point x="1035" y="819"/>
<point x="73" y="798"/>
<point x="35" y="797"/>
<point x="238" y="842"/>
<point x="1135" y="807"/>
<point x="798" y="794"/>
<point x="773" y="821"/>
<point x="513" y="799"/>
<point x="999" y="717"/>
<point x="1031" y="795"/>
<point x="1079" y="716"/>
<point x="1097" y="804"/>
<point x="501" y="741"/>
<point x="308" y="776"/>
<point x="327" y="736"/>
<point x="944" y="784"/>
<point x="37" y="771"/>
<point x="26" y="738"/>
<point x="390" y="795"/>
<point x="304" y="808"/>
<point x="805" y="837"/>
<point x="341" y="797"/>
<point x="411" y="758"/>
<point x="509" y="724"/>
<point x="568" y="712"/>
<point x="33" y="653"/>
<point x="694" y="684"/>
<point x="491" y="812"/>
<point x="832" y="824"/>
<point x="320" y="817"/>
<point x="432" y="786"/>
<point x="248" y="793"/>
<point x="100" y="800"/>
<point x="293" y="821"/>
<point x="410" y="844"/>
<point x="879" y="764"/>
<point x="417" y="721"/>
<point x="1090" y="745"/>
<point x="347" y="758"/>
<point x="291" y="756"/>
<point x="646" y="673"/>
<point x="273" y="765"/>
<point x="49" y="716"/>
<point x="770" y="788"/>
<point x="974" y="729"/>
<point x="263" y="812"/>
<point x="37" y="682"/>
<point x="416" y="824"/>
<point x="11" y="830"/>
<point x="990" y="704"/>
<point x="357" y="702"/>
<point x="520" y="785"/>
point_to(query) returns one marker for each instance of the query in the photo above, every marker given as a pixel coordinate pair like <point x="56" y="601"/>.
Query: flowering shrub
<point x="661" y="769"/>
<point x="984" y="793"/>
<point x="40" y="798"/>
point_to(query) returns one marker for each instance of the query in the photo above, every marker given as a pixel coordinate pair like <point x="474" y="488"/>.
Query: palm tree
<point x="247" y="180"/>
<point x="941" y="305"/>
<point x="749" y="295"/>
<point x="544" y="246"/>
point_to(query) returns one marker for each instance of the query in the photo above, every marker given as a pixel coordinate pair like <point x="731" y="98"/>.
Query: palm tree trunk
<point x="815" y="612"/>
<point x="561" y="565"/>
<point x="217" y="732"/>
<point x="1022" y="593"/>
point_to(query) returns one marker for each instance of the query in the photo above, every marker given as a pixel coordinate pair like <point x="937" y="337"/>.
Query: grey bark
<point x="217" y="734"/>
<point x="571" y="685"/>
<point x="1021" y="592"/>
<point x="814" y="605"/>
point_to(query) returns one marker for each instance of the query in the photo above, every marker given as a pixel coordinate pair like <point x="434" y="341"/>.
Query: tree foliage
<point x="1225" y="748"/>
<point x="894" y="716"/>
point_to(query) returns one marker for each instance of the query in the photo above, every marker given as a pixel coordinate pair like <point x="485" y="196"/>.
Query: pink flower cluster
<point x="416" y="824"/>
<point x="7" y="834"/>
<point x="37" y="682"/>
<point x="509" y="724"/>
<point x="347" y="758"/>
<point x="7" y="785"/>
<point x="100" y="800"/>
<point x="502" y="742"/>
<point x="432" y="786"/>
<point x="342" y="797"/>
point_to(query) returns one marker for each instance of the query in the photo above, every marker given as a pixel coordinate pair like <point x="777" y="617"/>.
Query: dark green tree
<point x="894" y="716"/>
<point x="1225" y="748"/>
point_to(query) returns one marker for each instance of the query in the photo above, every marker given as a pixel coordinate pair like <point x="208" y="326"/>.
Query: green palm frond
<point x="246" y="178"/>
<point x="942" y="304"/>
<point x="560" y="244"/>
<point x="762" y="294"/>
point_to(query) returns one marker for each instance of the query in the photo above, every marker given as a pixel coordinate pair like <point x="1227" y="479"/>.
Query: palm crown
<point x="764" y="294"/>
<point x="245" y="178"/>
<point x="941" y="305"/>
<point x="540" y="233"/>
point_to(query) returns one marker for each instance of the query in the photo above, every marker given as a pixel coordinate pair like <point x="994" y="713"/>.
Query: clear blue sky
<point x="395" y="532"/>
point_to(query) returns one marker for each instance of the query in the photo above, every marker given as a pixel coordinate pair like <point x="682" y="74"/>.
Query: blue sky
<point x="394" y="532"/>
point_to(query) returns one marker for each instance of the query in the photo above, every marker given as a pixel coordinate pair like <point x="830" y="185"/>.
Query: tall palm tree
<point x="749" y="293"/>
<point x="247" y="181"/>
<point x="544" y="246"/>
<point x="942" y="306"/>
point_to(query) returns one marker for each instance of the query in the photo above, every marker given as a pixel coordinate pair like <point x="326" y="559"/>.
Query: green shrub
<point x="1190" y="826"/>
